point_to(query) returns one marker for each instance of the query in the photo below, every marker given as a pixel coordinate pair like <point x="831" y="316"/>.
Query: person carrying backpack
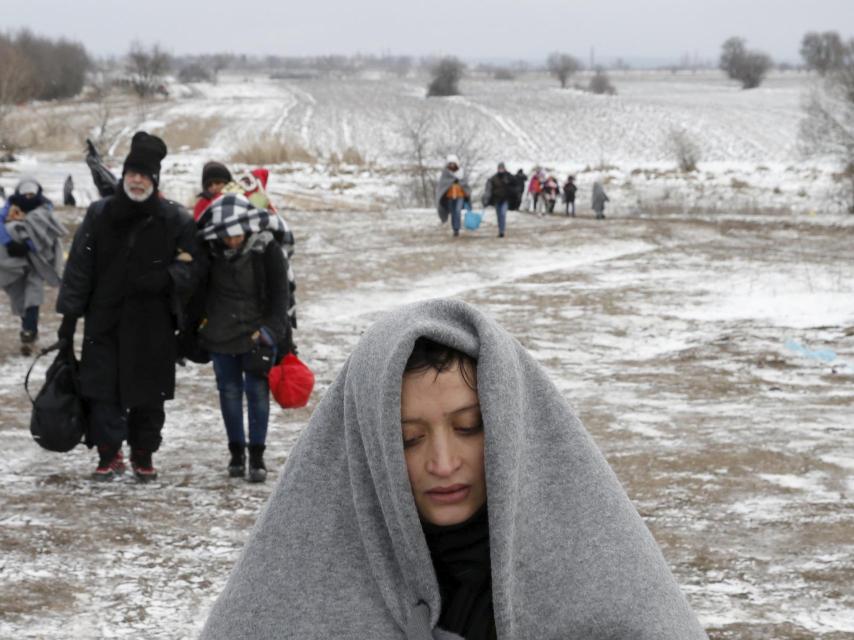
<point x="245" y="327"/>
<point x="133" y="261"/>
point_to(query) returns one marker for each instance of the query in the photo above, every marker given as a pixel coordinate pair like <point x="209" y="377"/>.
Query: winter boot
<point x="257" y="469"/>
<point x="28" y="342"/>
<point x="237" y="464"/>
<point x="111" y="463"/>
<point x="143" y="468"/>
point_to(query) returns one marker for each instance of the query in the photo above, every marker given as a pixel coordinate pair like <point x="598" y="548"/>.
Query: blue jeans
<point x="501" y="212"/>
<point x="30" y="320"/>
<point x="232" y="380"/>
<point x="456" y="207"/>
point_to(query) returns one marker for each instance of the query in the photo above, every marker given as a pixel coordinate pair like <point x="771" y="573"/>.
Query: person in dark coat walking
<point x="68" y="192"/>
<point x="500" y="189"/>
<point x="246" y="327"/>
<point x="569" y="189"/>
<point x="134" y="260"/>
<point x="521" y="181"/>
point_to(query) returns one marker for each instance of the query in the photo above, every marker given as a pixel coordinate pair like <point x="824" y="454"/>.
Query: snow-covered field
<point x="711" y="355"/>
<point x="750" y="158"/>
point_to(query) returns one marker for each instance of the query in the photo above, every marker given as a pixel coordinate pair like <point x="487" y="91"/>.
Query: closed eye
<point x="470" y="431"/>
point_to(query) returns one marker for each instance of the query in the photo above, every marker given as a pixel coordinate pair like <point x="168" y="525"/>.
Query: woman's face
<point x="234" y="242"/>
<point x="443" y="445"/>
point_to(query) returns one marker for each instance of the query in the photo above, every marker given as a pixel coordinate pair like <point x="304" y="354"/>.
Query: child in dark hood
<point x="445" y="489"/>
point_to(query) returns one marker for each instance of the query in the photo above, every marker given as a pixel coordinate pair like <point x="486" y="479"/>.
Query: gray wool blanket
<point x="338" y="551"/>
<point x="23" y="279"/>
<point x="446" y="179"/>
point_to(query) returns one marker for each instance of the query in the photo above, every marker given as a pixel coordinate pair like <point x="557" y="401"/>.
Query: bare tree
<point x="600" y="83"/>
<point x="748" y="67"/>
<point x="446" y="77"/>
<point x="430" y="137"/>
<point x="684" y="148"/>
<point x="823" y="52"/>
<point x="16" y="81"/>
<point x="463" y="139"/>
<point x="562" y="66"/>
<point x="101" y="94"/>
<point x="827" y="129"/>
<point x="417" y="131"/>
<point x="147" y="68"/>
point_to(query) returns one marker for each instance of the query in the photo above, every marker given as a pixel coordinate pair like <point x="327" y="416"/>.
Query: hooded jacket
<point x="339" y="551"/>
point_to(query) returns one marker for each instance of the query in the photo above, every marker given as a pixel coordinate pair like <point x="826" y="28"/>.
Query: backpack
<point x="59" y="420"/>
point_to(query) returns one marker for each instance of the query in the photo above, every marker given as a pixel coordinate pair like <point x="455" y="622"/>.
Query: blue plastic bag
<point x="472" y="219"/>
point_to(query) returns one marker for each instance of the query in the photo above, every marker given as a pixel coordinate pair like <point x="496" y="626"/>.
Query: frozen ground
<point x="667" y="333"/>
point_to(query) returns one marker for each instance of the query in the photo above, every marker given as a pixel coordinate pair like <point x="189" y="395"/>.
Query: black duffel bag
<point x="59" y="418"/>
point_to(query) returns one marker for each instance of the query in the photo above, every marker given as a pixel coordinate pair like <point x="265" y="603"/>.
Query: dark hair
<point x="428" y="354"/>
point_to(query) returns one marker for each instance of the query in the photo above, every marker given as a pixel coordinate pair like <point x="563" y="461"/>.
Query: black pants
<point x="111" y="425"/>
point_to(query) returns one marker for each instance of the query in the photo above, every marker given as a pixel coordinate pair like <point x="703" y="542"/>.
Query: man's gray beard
<point x="135" y="197"/>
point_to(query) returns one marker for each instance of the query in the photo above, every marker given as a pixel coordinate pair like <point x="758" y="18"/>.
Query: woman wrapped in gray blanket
<point x="444" y="488"/>
<point x="30" y="255"/>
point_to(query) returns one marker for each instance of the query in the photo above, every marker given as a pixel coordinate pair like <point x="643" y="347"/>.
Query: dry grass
<point x="190" y="133"/>
<point x="270" y="152"/>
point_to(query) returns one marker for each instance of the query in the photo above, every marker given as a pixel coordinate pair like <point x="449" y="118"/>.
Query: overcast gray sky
<point x="471" y="29"/>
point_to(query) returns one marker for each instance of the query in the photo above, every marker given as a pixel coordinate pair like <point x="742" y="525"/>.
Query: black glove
<point x="152" y="282"/>
<point x="17" y="249"/>
<point x="65" y="333"/>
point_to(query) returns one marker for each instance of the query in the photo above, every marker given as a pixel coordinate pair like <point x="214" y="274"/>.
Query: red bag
<point x="291" y="382"/>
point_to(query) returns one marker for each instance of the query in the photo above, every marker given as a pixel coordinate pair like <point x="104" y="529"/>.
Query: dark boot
<point x="111" y="463"/>
<point x="143" y="467"/>
<point x="237" y="464"/>
<point x="28" y="342"/>
<point x="257" y="469"/>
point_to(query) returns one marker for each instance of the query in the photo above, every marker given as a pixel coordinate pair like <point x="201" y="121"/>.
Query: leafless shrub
<point x="504" y="73"/>
<point x="147" y="69"/>
<point x="268" y="152"/>
<point x="417" y="134"/>
<point x="190" y="132"/>
<point x="351" y="155"/>
<point x="446" y="75"/>
<point x="600" y="83"/>
<point x="739" y="63"/>
<point x="562" y="66"/>
<point x="195" y="72"/>
<point x="685" y="149"/>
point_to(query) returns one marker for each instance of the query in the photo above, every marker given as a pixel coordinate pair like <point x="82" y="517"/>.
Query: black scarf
<point x="125" y="212"/>
<point x="460" y="555"/>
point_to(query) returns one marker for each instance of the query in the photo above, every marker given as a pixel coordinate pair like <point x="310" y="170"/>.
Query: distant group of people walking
<point x="507" y="192"/>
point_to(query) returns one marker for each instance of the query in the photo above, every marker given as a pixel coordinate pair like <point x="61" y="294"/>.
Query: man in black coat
<point x="500" y="190"/>
<point x="133" y="261"/>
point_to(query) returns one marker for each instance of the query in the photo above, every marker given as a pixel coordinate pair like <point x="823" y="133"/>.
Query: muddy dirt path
<point x="667" y="334"/>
